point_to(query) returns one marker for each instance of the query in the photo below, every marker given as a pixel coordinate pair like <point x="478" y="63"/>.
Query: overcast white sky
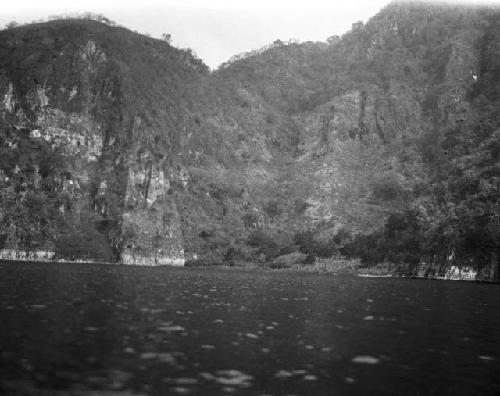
<point x="214" y="29"/>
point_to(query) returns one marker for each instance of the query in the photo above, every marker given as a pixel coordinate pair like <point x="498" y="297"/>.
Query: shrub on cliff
<point x="289" y="259"/>
<point x="83" y="243"/>
<point x="402" y="240"/>
<point x="272" y="209"/>
<point x="387" y="189"/>
<point x="309" y="244"/>
<point x="265" y="244"/>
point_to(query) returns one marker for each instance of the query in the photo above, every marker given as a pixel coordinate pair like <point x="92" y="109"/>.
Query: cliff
<point x="91" y="119"/>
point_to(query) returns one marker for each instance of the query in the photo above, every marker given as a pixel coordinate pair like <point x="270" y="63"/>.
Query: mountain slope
<point x="395" y="109"/>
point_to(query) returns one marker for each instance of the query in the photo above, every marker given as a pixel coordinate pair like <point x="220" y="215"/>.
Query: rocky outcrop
<point x="150" y="221"/>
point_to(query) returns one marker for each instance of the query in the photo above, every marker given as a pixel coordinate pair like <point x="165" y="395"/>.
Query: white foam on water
<point x="90" y="328"/>
<point x="283" y="374"/>
<point x="185" y="381"/>
<point x="38" y="306"/>
<point x="181" y="390"/>
<point x="171" y="328"/>
<point x="233" y="378"/>
<point x="365" y="359"/>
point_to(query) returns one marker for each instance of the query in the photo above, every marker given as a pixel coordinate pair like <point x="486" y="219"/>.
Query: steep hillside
<point x="393" y="118"/>
<point x="380" y="144"/>
<point x="105" y="108"/>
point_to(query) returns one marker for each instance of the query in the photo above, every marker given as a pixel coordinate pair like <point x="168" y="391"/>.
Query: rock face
<point x="150" y="221"/>
<point x="142" y="156"/>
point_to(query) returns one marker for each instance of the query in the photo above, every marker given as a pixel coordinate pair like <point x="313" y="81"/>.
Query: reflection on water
<point x="110" y="330"/>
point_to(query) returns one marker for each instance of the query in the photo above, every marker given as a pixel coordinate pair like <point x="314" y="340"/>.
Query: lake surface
<point x="71" y="329"/>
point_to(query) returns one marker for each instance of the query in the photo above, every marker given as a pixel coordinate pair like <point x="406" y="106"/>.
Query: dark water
<point x="108" y="330"/>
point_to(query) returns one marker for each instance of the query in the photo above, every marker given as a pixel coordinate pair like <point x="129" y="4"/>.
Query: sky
<point x="214" y="29"/>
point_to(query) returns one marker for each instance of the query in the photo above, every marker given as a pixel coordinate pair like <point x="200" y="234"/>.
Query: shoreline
<point x="251" y="267"/>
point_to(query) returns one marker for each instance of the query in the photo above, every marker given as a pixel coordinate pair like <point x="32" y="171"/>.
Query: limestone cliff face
<point x="350" y="144"/>
<point x="72" y="93"/>
<point x="150" y="220"/>
<point x="77" y="137"/>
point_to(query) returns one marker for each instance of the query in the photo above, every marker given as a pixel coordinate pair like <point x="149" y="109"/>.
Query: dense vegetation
<point x="454" y="216"/>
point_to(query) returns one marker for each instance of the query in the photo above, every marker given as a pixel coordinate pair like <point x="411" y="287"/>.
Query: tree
<point x="167" y="37"/>
<point x="272" y="209"/>
<point x="11" y="25"/>
<point x="332" y="39"/>
<point x="83" y="242"/>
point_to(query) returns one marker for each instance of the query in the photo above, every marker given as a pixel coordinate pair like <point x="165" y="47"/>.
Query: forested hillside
<point x="382" y="144"/>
